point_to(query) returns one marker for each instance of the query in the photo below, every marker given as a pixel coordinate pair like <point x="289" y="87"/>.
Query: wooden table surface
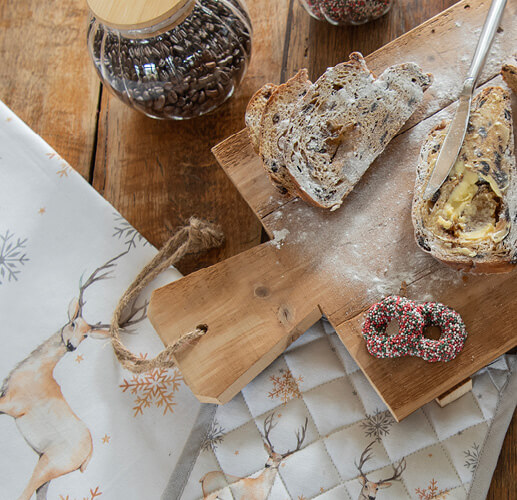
<point x="158" y="173"/>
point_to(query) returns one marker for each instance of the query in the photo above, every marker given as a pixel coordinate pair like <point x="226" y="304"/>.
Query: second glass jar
<point x="349" y="12"/>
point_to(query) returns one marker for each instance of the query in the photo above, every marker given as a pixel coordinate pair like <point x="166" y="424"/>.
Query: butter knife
<point x="458" y="127"/>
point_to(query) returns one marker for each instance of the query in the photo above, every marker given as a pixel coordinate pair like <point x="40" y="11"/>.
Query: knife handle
<point x="485" y="41"/>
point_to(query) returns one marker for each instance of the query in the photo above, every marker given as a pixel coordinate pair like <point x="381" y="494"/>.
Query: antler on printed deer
<point x="365" y="456"/>
<point x="300" y="436"/>
<point x="259" y="486"/>
<point x="95" y="276"/>
<point x="397" y="472"/>
<point x="133" y="316"/>
<point x="268" y="425"/>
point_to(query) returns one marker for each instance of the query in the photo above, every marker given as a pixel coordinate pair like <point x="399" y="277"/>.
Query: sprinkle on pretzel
<point x="410" y="341"/>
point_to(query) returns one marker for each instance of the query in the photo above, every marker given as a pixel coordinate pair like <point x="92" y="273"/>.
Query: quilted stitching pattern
<point x="317" y="379"/>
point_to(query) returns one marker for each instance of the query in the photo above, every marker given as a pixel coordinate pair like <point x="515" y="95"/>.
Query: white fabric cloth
<point x="55" y="231"/>
<point x="65" y="230"/>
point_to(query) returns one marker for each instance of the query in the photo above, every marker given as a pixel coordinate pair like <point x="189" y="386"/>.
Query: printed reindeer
<point x="32" y="396"/>
<point x="253" y="488"/>
<point x="369" y="488"/>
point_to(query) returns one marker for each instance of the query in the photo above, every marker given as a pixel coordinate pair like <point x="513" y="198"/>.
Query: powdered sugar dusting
<point x="368" y="244"/>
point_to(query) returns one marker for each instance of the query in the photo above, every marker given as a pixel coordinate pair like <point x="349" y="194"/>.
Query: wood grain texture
<point x="33" y="40"/>
<point x="160" y="173"/>
<point x="46" y="76"/>
<point x="334" y="261"/>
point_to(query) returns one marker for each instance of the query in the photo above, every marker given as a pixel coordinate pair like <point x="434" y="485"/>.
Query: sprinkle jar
<point x="349" y="12"/>
<point x="170" y="59"/>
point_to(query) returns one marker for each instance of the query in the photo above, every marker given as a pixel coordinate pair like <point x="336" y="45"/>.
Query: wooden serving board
<point x="338" y="263"/>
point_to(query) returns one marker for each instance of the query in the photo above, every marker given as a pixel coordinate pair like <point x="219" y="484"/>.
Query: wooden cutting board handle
<point x="252" y="312"/>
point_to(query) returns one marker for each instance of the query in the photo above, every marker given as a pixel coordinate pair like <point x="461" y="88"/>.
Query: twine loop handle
<point x="195" y="237"/>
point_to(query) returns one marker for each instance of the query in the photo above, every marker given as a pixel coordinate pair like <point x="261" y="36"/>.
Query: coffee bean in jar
<point x="181" y="59"/>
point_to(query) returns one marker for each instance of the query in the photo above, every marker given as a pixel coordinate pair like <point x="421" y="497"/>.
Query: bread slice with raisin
<point x="254" y="112"/>
<point x="344" y="122"/>
<point x="274" y="124"/>
<point x="470" y="222"/>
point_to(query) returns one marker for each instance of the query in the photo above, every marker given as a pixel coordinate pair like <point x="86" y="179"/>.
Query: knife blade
<point x="458" y="127"/>
<point x="451" y="146"/>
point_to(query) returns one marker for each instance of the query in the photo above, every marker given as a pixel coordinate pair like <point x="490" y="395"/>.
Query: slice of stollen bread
<point x="469" y="224"/>
<point x="344" y="122"/>
<point x="254" y="112"/>
<point x="274" y="124"/>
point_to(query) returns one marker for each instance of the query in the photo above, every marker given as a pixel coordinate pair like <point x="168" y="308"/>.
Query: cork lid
<point x="138" y="13"/>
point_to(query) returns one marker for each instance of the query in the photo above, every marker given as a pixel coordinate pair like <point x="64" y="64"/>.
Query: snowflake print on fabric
<point x="285" y="386"/>
<point x="64" y="168"/>
<point x="431" y="492"/>
<point x="94" y="493"/>
<point x="124" y="230"/>
<point x="472" y="457"/>
<point x="377" y="424"/>
<point x="12" y="256"/>
<point x="214" y="437"/>
<point x="156" y="387"/>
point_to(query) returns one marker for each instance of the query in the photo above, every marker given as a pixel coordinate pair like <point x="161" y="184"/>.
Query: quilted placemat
<point x="440" y="452"/>
<point x="75" y="425"/>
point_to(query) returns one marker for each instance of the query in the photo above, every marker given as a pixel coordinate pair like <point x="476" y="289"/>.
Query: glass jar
<point x="347" y="11"/>
<point x="176" y="68"/>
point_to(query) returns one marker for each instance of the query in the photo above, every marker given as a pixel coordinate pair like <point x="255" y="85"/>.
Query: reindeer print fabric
<point x="74" y="425"/>
<point x="102" y="432"/>
<point x="351" y="447"/>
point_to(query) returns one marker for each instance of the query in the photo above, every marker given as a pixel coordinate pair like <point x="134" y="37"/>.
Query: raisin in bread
<point x="509" y="72"/>
<point x="469" y="223"/>
<point x="274" y="124"/>
<point x="344" y="122"/>
<point x="254" y="112"/>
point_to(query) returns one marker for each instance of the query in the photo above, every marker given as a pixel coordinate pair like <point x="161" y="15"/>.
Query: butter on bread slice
<point x="254" y="112"/>
<point x="344" y="122"/>
<point x="469" y="223"/>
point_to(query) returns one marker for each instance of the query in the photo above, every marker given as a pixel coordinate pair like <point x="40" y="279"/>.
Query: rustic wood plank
<point x="159" y="173"/>
<point x="46" y="76"/>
